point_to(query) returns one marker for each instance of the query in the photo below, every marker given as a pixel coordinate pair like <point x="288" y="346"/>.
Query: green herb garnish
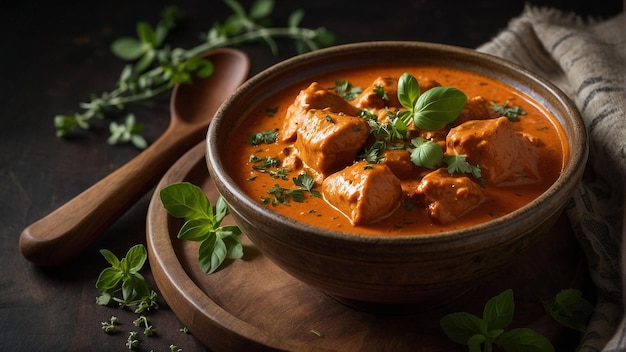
<point x="271" y="111"/>
<point x="346" y="90"/>
<point x="374" y="154"/>
<point x="481" y="334"/>
<point x="570" y="309"/>
<point x="123" y="276"/>
<point x="380" y="91"/>
<point x="511" y="112"/>
<point x="428" y="154"/>
<point x="432" y="110"/>
<point x="203" y="224"/>
<point x="263" y="137"/>
<point x="304" y="183"/>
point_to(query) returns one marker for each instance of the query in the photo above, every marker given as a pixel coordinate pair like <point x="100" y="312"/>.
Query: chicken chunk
<point x="476" y="108"/>
<point x="313" y="97"/>
<point x="372" y="97"/>
<point x="505" y="157"/>
<point x="448" y="197"/>
<point x="363" y="192"/>
<point x="399" y="161"/>
<point x="327" y="142"/>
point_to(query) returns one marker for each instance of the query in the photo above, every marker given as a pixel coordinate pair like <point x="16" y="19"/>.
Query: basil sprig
<point x="481" y="334"/>
<point x="202" y="224"/>
<point x="433" y="109"/>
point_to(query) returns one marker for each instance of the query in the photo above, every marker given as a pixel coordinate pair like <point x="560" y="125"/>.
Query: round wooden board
<point x="251" y="304"/>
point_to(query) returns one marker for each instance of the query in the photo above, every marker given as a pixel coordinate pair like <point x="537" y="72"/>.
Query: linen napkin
<point x="586" y="58"/>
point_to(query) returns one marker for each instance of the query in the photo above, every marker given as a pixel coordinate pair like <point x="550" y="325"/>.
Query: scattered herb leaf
<point x="511" y="112"/>
<point x="263" y="137"/>
<point x="123" y="276"/>
<point x="203" y="224"/>
<point x="481" y="334"/>
<point x="570" y="309"/>
<point x="346" y="90"/>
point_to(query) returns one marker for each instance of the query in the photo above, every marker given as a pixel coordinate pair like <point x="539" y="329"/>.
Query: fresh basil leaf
<point x="211" y="254"/>
<point x="234" y="248"/>
<point x="570" y="309"/>
<point x="499" y="310"/>
<point x="185" y="200"/>
<point x="221" y="210"/>
<point x="136" y="257"/>
<point x="109" y="279"/>
<point x="524" y="340"/>
<point x="196" y="229"/>
<point x="438" y="107"/>
<point x="461" y="326"/>
<point x="426" y="153"/>
<point x="228" y="231"/>
<point x="110" y="257"/>
<point x="408" y="91"/>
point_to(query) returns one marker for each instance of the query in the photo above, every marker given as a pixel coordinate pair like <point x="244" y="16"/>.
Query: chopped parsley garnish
<point x="263" y="137"/>
<point x="374" y="154"/>
<point x="511" y="112"/>
<point x="304" y="183"/>
<point x="346" y="90"/>
<point x="380" y="91"/>
<point x="271" y="111"/>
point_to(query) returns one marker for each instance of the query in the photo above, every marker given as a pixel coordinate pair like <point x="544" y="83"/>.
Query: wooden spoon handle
<point x="69" y="230"/>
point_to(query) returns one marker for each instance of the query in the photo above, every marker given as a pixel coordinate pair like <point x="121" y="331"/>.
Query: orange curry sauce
<point x="405" y="220"/>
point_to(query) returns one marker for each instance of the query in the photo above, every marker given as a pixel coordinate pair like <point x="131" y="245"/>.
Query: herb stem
<point x="304" y="34"/>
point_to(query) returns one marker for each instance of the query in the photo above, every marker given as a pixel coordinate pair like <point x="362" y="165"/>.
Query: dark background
<point x="52" y="57"/>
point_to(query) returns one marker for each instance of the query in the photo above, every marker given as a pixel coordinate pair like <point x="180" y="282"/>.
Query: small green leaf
<point x="499" y="310"/>
<point x="438" y="107"/>
<point x="146" y="34"/>
<point x="186" y="200"/>
<point x="408" y="91"/>
<point x="261" y="9"/>
<point x="234" y="248"/>
<point x="136" y="257"/>
<point x="211" y="254"/>
<point x="110" y="257"/>
<point x="524" y="340"/>
<point x="196" y="229"/>
<point x="461" y="326"/>
<point x="127" y="48"/>
<point x="570" y="309"/>
<point x="109" y="279"/>
<point x="221" y="210"/>
<point x="426" y="153"/>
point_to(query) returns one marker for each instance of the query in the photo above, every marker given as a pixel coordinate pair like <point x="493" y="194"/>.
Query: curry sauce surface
<point x="405" y="220"/>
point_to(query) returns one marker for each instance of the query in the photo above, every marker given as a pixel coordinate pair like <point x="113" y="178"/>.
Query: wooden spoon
<point x="72" y="228"/>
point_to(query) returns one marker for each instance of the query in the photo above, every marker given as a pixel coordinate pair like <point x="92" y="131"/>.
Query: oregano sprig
<point x="123" y="276"/>
<point x="154" y="67"/>
<point x="203" y="224"/>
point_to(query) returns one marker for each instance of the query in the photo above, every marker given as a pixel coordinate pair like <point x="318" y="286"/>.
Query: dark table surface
<point x="54" y="57"/>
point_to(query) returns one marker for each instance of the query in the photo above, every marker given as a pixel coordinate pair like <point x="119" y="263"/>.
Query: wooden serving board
<point x="251" y="304"/>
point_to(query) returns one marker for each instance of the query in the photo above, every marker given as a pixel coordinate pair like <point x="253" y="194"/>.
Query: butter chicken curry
<point x="397" y="151"/>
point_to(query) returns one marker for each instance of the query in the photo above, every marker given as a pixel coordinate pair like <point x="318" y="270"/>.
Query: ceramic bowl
<point x="408" y="269"/>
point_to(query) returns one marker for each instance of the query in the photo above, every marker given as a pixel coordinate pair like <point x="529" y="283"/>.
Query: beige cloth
<point x="587" y="60"/>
